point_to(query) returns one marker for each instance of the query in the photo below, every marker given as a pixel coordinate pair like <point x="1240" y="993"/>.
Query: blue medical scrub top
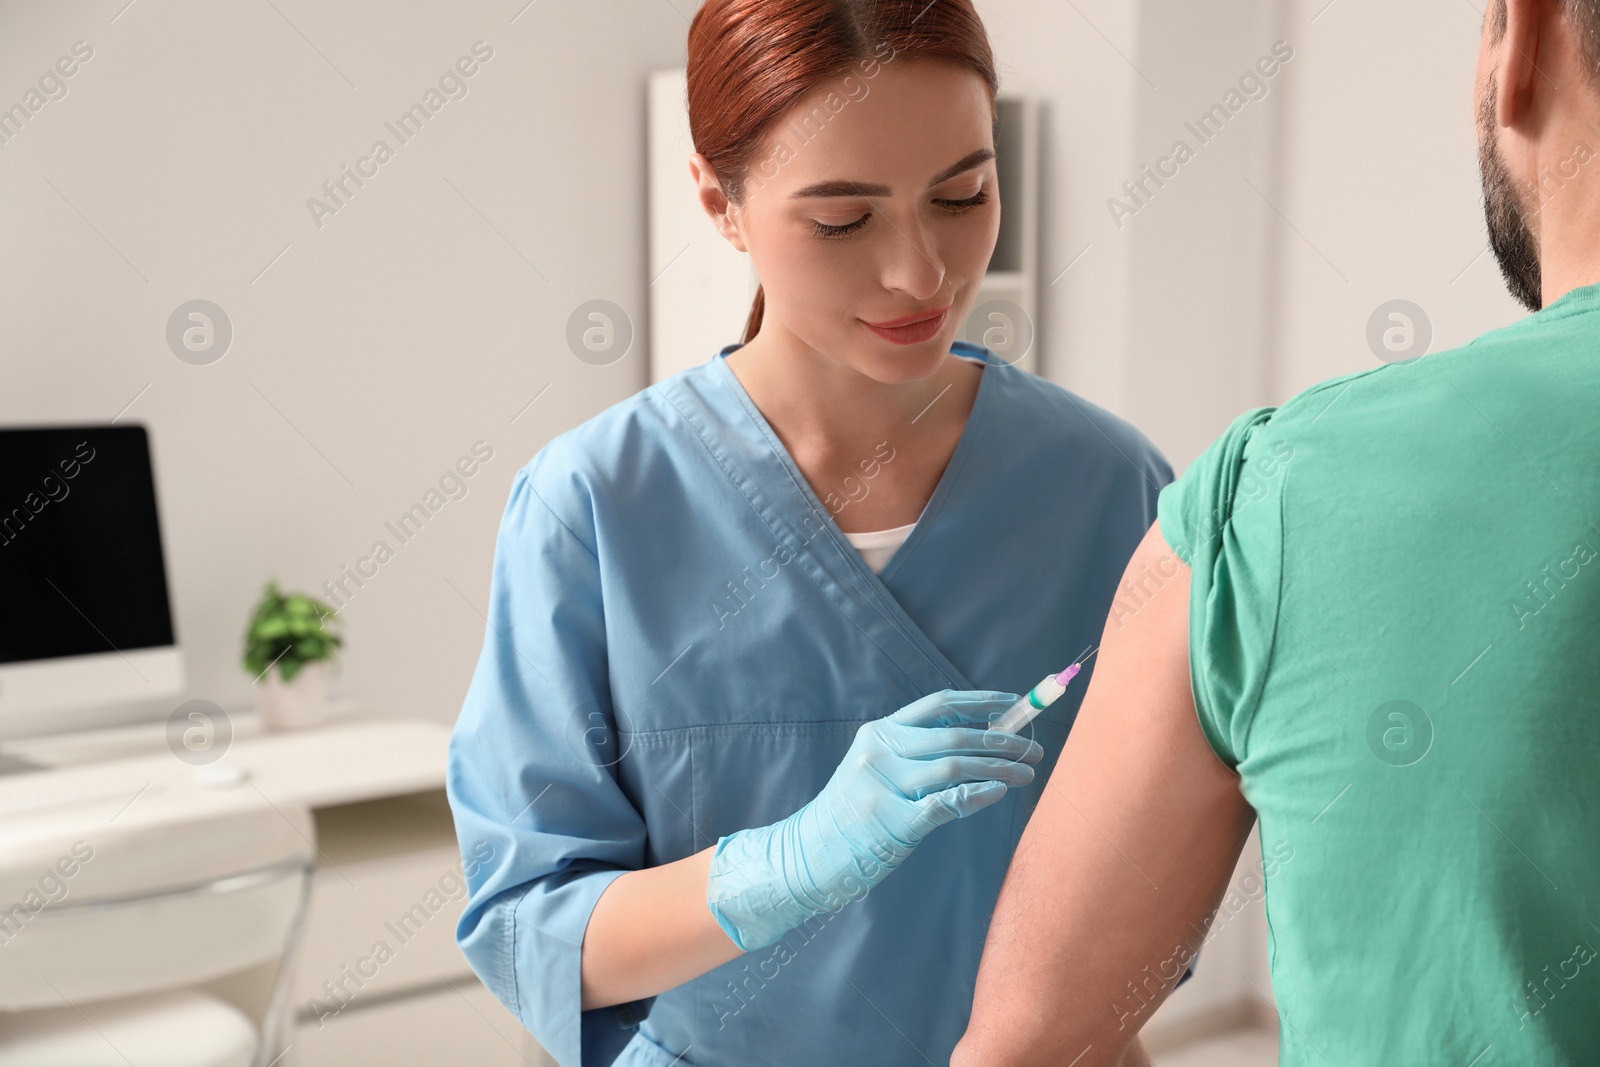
<point x="681" y="644"/>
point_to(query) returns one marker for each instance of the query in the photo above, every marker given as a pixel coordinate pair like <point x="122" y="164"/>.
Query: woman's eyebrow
<point x="849" y="188"/>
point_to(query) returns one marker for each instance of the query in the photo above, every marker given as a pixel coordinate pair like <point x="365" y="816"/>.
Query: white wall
<point x="1381" y="178"/>
<point x="1071" y="58"/>
<point x="1352" y="183"/>
<point x="379" y="347"/>
<point x="1201" y="257"/>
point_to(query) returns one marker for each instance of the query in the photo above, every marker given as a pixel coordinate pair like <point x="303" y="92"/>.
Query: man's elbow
<point x="993" y="1047"/>
<point x="986" y="1050"/>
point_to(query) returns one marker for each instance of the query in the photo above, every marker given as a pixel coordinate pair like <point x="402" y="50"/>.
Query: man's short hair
<point x="1584" y="17"/>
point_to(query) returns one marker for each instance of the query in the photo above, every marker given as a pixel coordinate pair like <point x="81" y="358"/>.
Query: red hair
<point x="751" y="60"/>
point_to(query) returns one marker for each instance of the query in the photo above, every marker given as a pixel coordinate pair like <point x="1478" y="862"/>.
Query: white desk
<point x="388" y="865"/>
<point x="357" y="755"/>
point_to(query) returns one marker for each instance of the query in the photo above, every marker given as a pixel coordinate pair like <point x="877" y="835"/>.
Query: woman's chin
<point x="900" y="364"/>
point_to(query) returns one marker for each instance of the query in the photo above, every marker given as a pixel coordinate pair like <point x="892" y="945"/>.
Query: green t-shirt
<point x="1395" y="641"/>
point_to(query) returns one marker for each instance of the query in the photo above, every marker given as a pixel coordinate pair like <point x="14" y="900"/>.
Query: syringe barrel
<point x="1025" y="710"/>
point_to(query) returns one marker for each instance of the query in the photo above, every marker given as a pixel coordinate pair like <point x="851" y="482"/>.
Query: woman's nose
<point x="912" y="263"/>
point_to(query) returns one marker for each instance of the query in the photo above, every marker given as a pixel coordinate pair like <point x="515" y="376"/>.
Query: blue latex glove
<point x="928" y="763"/>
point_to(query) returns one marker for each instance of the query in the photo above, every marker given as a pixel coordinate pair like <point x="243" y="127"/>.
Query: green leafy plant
<point x="289" y="632"/>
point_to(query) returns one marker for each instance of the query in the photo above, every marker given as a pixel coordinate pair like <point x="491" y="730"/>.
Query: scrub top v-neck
<point x="681" y="643"/>
<point x="879" y="587"/>
<point x="878" y="547"/>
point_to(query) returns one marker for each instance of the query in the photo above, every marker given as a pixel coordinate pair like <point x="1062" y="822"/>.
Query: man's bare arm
<point x="1125" y="859"/>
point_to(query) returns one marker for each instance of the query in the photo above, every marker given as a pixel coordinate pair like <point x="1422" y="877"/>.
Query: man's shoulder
<point x="1522" y="356"/>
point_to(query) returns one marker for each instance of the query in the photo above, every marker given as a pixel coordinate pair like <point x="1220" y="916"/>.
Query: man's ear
<point x="714" y="200"/>
<point x="1520" y="57"/>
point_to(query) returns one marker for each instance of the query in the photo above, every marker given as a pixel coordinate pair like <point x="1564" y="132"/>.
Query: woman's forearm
<point x="651" y="931"/>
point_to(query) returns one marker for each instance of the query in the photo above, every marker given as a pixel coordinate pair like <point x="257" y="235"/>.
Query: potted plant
<point x="288" y="648"/>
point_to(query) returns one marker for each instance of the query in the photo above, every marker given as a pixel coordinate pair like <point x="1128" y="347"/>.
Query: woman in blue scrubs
<point x="721" y="782"/>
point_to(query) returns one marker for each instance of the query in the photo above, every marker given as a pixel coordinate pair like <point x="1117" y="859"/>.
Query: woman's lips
<point x="912" y="329"/>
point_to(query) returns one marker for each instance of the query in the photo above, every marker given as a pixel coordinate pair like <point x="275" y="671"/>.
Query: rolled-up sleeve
<point x="1224" y="518"/>
<point x="542" y="823"/>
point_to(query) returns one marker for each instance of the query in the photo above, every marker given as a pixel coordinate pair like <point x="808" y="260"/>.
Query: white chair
<point x="177" y="888"/>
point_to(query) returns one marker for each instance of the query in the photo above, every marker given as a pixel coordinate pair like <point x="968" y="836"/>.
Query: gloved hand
<point x="904" y="775"/>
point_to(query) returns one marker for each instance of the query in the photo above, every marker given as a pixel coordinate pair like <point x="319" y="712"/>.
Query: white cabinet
<point x="461" y="1023"/>
<point x="380" y="979"/>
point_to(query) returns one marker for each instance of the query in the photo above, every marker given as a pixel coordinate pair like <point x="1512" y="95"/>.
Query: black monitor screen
<point x="80" y="544"/>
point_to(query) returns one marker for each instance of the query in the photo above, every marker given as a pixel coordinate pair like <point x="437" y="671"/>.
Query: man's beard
<point x="1514" y="244"/>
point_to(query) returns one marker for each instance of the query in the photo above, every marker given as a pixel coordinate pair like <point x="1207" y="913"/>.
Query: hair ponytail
<point x="752" y="325"/>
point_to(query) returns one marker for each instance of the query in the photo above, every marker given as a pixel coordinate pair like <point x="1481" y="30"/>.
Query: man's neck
<point x="1568" y="221"/>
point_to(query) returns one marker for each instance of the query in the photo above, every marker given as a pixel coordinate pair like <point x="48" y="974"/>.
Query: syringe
<point x="1041" y="696"/>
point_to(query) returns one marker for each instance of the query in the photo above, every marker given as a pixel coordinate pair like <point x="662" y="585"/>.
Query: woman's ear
<point x="722" y="212"/>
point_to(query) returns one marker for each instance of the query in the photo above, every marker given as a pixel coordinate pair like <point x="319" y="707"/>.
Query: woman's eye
<point x="822" y="229"/>
<point x="968" y="204"/>
<point x="955" y="207"/>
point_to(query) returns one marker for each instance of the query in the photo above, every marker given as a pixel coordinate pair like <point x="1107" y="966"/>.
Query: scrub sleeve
<point x="529" y="778"/>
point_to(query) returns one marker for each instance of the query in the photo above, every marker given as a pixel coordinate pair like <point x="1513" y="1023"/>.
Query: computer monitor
<point x="85" y="621"/>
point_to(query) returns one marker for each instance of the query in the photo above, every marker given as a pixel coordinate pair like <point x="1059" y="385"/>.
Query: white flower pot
<point x="297" y="704"/>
